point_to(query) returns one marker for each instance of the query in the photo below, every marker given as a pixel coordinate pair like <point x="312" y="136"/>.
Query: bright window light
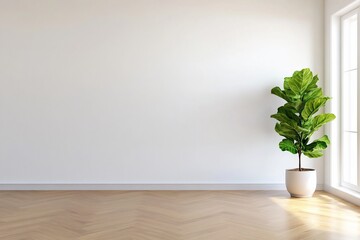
<point x="350" y="166"/>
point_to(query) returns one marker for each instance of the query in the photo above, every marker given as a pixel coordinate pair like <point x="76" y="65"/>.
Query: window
<point x="350" y="140"/>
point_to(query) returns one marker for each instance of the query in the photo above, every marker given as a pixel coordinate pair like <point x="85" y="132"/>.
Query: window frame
<point x="343" y="18"/>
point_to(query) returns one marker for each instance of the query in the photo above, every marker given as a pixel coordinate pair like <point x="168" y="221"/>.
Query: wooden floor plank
<point x="174" y="215"/>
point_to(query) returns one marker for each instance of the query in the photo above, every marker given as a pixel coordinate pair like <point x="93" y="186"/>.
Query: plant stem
<point x="299" y="153"/>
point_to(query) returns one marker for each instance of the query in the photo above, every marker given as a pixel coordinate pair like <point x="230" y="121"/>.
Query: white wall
<point x="149" y="91"/>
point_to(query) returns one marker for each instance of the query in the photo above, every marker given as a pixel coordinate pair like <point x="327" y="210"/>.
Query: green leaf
<point x="315" y="145"/>
<point x="300" y="81"/>
<point x="312" y="106"/>
<point x="314" y="153"/>
<point x="286" y="83"/>
<point x="313" y="83"/>
<point x="288" y="145"/>
<point x="294" y="106"/>
<point x="285" y="130"/>
<point x="322" y="119"/>
<point x="291" y="123"/>
<point x="288" y="90"/>
<point x="280" y="93"/>
<point x="282" y="117"/>
<point x="302" y="130"/>
<point x="289" y="111"/>
<point x="315" y="149"/>
<point x="324" y="139"/>
<point x="314" y="93"/>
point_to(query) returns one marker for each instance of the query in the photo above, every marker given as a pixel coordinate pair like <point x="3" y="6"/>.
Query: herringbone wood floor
<point x="173" y="215"/>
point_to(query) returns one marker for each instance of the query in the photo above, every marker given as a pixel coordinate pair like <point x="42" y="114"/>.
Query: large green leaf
<point x="285" y="130"/>
<point x="288" y="90"/>
<point x="289" y="111"/>
<point x="280" y="93"/>
<point x="300" y="81"/>
<point x="295" y="106"/>
<point x="283" y="118"/>
<point x="315" y="149"/>
<point x="312" y="106"/>
<point x="288" y="145"/>
<point x="312" y="94"/>
<point x="324" y="139"/>
<point x="315" y="145"/>
<point x="313" y="84"/>
<point x="303" y="130"/>
<point x="321" y="119"/>
<point x="286" y="83"/>
<point x="313" y="154"/>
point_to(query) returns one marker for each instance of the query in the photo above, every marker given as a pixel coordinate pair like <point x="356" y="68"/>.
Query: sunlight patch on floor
<point x="324" y="213"/>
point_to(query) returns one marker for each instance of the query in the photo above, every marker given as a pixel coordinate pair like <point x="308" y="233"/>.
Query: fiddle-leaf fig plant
<point x="298" y="119"/>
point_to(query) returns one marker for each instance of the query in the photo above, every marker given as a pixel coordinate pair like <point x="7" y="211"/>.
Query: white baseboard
<point x="348" y="195"/>
<point x="157" y="186"/>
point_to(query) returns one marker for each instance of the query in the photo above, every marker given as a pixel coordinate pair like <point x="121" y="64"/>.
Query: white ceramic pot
<point x="301" y="183"/>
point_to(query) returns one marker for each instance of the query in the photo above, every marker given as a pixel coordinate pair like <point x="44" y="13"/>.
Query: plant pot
<point x="301" y="183"/>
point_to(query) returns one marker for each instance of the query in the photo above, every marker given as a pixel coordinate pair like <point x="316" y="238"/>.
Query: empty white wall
<point x="149" y="91"/>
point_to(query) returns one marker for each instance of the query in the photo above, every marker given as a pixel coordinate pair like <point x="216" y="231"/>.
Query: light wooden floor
<point x="172" y="215"/>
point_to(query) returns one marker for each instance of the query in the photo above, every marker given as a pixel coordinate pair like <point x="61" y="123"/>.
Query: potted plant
<point x="298" y="121"/>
